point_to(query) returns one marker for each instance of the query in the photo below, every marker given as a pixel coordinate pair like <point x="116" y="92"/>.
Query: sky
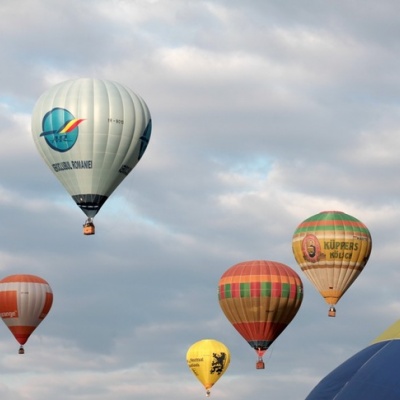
<point x="264" y="113"/>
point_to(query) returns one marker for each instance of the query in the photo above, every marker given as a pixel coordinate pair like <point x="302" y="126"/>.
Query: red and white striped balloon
<point x="25" y="300"/>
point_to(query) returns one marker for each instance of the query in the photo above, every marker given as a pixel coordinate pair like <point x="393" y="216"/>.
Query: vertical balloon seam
<point x="269" y="326"/>
<point x="332" y="289"/>
<point x="253" y="326"/>
<point x="238" y="306"/>
<point x="254" y="270"/>
<point x="115" y="165"/>
<point x="349" y="273"/>
<point x="64" y="91"/>
<point x="91" y="186"/>
<point x="338" y="269"/>
<point x="334" y="273"/>
<point x="291" y="301"/>
<point x="285" y="299"/>
<point x="127" y="100"/>
<point x="260" y="300"/>
<point x="142" y="114"/>
<point x="94" y="142"/>
<point x="362" y="253"/>
<point x="70" y="180"/>
<point x="237" y="309"/>
<point x="102" y="86"/>
<point x="352" y="269"/>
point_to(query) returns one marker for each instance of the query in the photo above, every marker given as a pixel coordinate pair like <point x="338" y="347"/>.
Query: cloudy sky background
<point x="264" y="113"/>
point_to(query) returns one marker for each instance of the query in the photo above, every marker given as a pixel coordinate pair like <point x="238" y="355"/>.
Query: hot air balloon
<point x="370" y="374"/>
<point x="91" y="133"/>
<point x="25" y="300"/>
<point x="260" y="298"/>
<point x="208" y="359"/>
<point x="332" y="248"/>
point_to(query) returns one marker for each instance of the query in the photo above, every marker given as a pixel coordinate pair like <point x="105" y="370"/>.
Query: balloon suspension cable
<point x="332" y="312"/>
<point x="21" y="350"/>
<point x="208" y="393"/>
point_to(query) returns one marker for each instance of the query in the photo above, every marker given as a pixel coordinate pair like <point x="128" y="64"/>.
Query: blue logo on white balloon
<point x="60" y="129"/>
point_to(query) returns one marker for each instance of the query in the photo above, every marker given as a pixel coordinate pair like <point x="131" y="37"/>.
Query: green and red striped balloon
<point x="332" y="248"/>
<point x="260" y="298"/>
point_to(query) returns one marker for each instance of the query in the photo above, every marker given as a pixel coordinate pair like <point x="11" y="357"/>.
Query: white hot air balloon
<point x="91" y="133"/>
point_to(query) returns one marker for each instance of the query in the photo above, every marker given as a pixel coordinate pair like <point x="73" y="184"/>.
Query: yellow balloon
<point x="208" y="359"/>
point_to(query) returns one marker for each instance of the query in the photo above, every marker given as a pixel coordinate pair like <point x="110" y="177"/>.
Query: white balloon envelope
<point x="91" y="133"/>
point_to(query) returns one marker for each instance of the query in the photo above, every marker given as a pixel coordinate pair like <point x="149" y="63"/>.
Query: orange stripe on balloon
<point x="23" y="278"/>
<point x="257" y="278"/>
<point x="8" y="304"/>
<point x="47" y="305"/>
<point x="22" y="333"/>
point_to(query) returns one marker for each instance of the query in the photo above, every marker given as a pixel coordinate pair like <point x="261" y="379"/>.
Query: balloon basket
<point x="332" y="312"/>
<point x="88" y="228"/>
<point x="21" y="350"/>
<point x="260" y="364"/>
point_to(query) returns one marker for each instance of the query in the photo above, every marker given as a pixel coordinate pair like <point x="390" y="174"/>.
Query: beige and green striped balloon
<point x="332" y="248"/>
